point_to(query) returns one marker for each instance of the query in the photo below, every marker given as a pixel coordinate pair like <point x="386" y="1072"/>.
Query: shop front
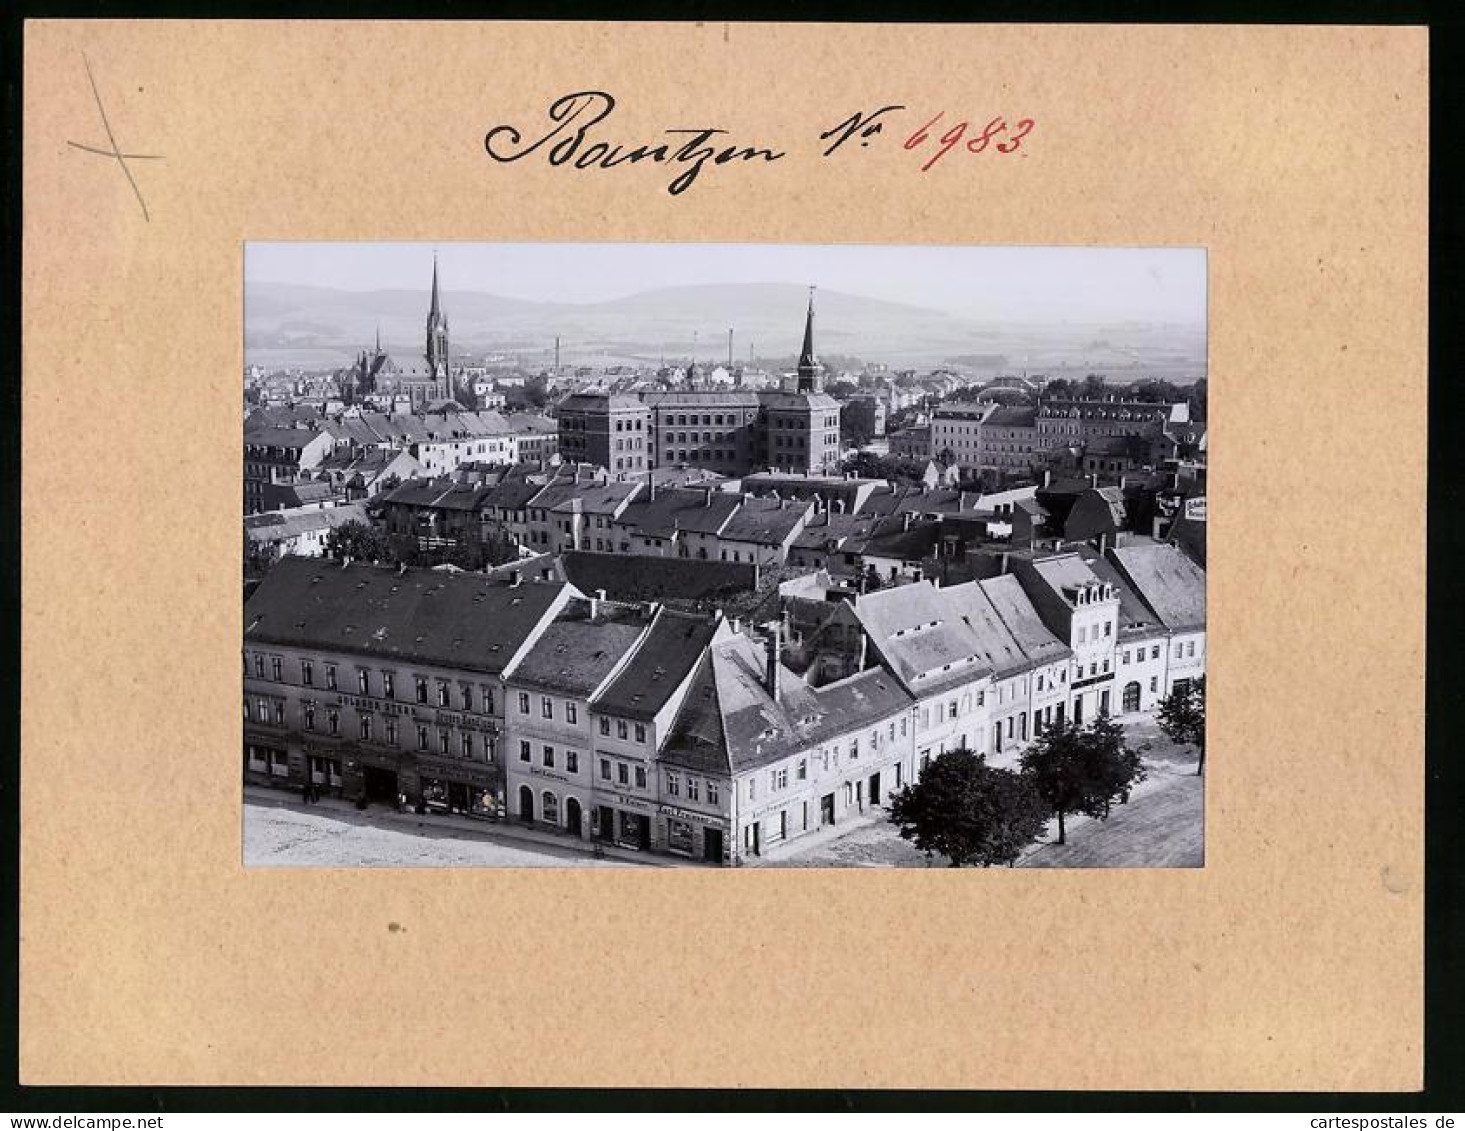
<point x="626" y="823"/>
<point x="685" y="832"/>
<point x="466" y="789"/>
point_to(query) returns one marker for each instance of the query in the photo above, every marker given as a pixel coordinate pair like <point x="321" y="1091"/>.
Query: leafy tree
<point x="359" y="542"/>
<point x="1182" y="716"/>
<point x="1082" y="769"/>
<point x="969" y="812"/>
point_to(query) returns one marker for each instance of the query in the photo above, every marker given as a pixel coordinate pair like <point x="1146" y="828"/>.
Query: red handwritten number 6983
<point x="952" y="137"/>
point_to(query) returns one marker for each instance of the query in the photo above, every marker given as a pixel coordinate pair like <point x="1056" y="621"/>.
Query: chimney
<point x="707" y="497"/>
<point x="1094" y="479"/>
<point x="515" y="578"/>
<point x="864" y="647"/>
<point x="1047" y="477"/>
<point x="1005" y="556"/>
<point x="1103" y="542"/>
<point x="905" y="521"/>
<point x="775" y="648"/>
<point x="839" y="506"/>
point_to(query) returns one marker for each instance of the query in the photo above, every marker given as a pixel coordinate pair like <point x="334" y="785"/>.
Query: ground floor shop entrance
<point x="572" y="816"/>
<point x="875" y="789"/>
<point x="380" y="784"/>
<point x="826" y="809"/>
<point x="712" y="845"/>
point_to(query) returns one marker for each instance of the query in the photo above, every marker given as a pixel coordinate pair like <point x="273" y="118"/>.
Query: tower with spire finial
<point x="437" y="341"/>
<point x="810" y="373"/>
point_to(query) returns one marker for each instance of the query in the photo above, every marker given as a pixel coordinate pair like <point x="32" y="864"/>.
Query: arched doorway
<point x="1131" y="697"/>
<point x="550" y="811"/>
<point x="572" y="816"/>
<point x="526" y="804"/>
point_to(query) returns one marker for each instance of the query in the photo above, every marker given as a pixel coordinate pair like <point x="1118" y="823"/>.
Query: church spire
<point x="378" y="337"/>
<point x="808" y="360"/>
<point x="434" y="312"/>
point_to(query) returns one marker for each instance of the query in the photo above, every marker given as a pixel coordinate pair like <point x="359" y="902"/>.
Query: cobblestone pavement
<point x="283" y="834"/>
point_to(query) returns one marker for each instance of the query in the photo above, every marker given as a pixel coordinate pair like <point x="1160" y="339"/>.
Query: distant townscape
<point x="720" y="612"/>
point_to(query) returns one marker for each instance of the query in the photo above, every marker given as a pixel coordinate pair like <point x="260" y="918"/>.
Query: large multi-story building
<point x="728" y="431"/>
<point x="612" y="430"/>
<point x="956" y="433"/>
<point x="375" y="682"/>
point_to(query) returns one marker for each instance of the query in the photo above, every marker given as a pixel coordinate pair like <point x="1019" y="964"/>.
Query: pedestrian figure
<point x="305" y="793"/>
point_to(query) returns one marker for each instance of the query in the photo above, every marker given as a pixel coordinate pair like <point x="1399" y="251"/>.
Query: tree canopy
<point x="1083" y="769"/>
<point x="969" y="812"/>
<point x="1182" y="716"/>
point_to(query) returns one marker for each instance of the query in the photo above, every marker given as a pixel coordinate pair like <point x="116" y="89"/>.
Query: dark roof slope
<point x="575" y="653"/>
<point x="635" y="577"/>
<point x="454" y="620"/>
<point x="676" y="642"/>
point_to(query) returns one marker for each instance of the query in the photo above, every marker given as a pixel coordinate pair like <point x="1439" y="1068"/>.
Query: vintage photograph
<point x="699" y="555"/>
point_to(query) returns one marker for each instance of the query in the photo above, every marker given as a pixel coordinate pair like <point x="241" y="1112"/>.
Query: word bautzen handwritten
<point x="587" y="108"/>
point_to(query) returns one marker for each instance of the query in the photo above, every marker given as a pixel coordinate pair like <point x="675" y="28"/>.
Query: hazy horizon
<point x="1075" y="285"/>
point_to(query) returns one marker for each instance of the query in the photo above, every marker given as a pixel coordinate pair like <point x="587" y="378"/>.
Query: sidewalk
<point x="452" y="826"/>
<point x="817" y="839"/>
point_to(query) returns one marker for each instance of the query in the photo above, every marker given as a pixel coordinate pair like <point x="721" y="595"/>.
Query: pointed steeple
<point x="809" y="381"/>
<point x="433" y="311"/>
<point x="378" y="338"/>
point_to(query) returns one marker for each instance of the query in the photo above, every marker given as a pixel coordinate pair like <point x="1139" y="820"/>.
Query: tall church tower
<point x="811" y="373"/>
<point x="437" y="342"/>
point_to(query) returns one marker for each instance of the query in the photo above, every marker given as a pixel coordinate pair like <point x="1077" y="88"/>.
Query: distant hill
<point x="291" y="319"/>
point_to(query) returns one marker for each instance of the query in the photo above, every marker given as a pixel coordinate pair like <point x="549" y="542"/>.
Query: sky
<point x="1074" y="284"/>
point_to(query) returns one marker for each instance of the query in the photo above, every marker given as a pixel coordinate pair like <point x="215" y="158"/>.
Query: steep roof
<point x="996" y="644"/>
<point x="1172" y="585"/>
<point x="676" y="642"/>
<point x="923" y="636"/>
<point x="1016" y="609"/>
<point x="453" y="620"/>
<point x="575" y="653"/>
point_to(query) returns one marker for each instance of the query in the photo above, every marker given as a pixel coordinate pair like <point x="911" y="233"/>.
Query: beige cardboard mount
<point x="1295" y="156"/>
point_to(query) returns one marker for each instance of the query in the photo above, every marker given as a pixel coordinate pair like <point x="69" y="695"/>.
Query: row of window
<point x="547" y="757"/>
<point x="271" y="712"/>
<point x="424" y="690"/>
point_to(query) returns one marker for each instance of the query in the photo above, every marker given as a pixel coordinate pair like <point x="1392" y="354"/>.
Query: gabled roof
<point x="704" y="511"/>
<point x="676" y="642"/>
<point x="281" y="526"/>
<point x="638" y="577"/>
<point x="1135" y="617"/>
<point x="452" y="620"/>
<point x="923" y="636"/>
<point x="1172" y="585"/>
<point x="1016" y="609"/>
<point x="575" y="653"/>
<point x="765" y="522"/>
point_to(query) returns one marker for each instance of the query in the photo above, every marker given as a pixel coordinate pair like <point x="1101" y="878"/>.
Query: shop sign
<point x="540" y="772"/>
<point x="465" y="722"/>
<point x="1195" y="509"/>
<point x="688" y="815"/>
<point x="631" y="802"/>
<point x="364" y="703"/>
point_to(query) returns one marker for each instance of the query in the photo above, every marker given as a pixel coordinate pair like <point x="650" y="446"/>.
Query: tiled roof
<point x="574" y="654"/>
<point x="676" y="642"/>
<point x="703" y="511"/>
<point x="1172" y="585"/>
<point x="280" y="526"/>
<point x="637" y="577"/>
<point x="764" y="521"/>
<point x="453" y="620"/>
<point x="1016" y="609"/>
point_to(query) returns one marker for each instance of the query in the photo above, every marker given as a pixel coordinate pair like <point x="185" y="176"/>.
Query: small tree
<point x="969" y="812"/>
<point x="1078" y="769"/>
<point x="1182" y="716"/>
<point x="357" y="541"/>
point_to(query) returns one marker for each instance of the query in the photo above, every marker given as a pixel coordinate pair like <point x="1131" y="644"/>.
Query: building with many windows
<point x="375" y="682"/>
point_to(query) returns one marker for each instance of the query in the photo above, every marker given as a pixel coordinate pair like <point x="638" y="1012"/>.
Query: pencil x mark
<point x="115" y="152"/>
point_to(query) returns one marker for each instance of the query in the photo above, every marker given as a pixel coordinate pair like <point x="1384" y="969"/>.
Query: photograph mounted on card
<point x="663" y="493"/>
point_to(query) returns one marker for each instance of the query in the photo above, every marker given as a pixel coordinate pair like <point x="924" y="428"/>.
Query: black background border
<point x="1445" y="759"/>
